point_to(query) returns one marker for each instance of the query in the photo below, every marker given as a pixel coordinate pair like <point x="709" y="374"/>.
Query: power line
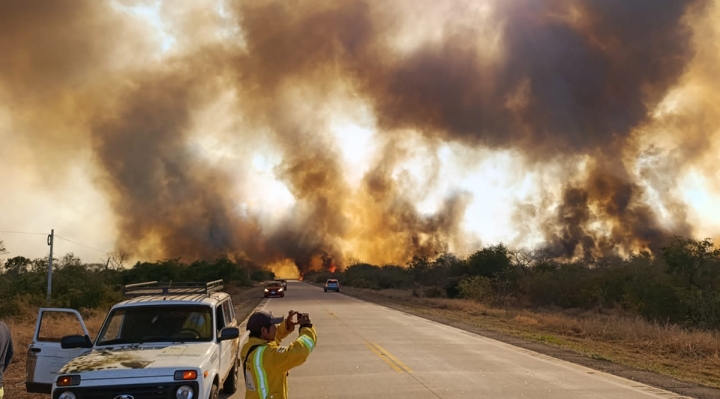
<point x="58" y="236"/>
<point x="86" y="246"/>
<point x="22" y="232"/>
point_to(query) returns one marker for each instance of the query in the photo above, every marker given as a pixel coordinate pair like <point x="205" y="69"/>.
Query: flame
<point x="301" y="278"/>
<point x="332" y="268"/>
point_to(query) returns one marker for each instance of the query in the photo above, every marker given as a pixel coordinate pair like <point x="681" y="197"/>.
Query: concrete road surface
<point x="369" y="351"/>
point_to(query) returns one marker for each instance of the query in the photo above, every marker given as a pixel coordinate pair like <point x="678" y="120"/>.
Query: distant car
<point x="332" y="285"/>
<point x="283" y="282"/>
<point x="274" y="289"/>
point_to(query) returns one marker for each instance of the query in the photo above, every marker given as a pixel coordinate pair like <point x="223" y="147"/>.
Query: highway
<point x="369" y="351"/>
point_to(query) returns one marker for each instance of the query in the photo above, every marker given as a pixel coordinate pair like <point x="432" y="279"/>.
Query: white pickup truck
<point x="166" y="341"/>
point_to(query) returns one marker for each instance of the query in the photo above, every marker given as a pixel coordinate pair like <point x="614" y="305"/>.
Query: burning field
<point x="307" y="135"/>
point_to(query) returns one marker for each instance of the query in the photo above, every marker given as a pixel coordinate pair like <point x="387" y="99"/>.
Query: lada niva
<point x="169" y="341"/>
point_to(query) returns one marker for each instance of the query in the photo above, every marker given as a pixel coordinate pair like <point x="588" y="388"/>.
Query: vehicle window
<point x="171" y="323"/>
<point x="220" y="317"/>
<point x="55" y="325"/>
<point x="227" y="312"/>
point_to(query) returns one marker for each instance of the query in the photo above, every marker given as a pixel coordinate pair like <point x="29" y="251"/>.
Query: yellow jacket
<point x="268" y="365"/>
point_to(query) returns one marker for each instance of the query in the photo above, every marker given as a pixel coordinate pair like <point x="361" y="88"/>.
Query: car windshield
<point x="332" y="281"/>
<point x="274" y="285"/>
<point x="166" y="323"/>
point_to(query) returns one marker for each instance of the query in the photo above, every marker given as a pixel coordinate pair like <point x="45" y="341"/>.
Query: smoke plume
<point x="178" y="123"/>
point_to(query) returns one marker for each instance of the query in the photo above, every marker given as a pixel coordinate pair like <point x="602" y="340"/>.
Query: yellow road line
<point x="383" y="357"/>
<point x="393" y="358"/>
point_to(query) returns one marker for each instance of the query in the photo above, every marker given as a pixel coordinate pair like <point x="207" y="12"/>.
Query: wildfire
<point x="301" y="277"/>
<point x="332" y="268"/>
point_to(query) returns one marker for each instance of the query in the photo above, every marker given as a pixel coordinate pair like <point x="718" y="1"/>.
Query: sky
<point x="305" y="135"/>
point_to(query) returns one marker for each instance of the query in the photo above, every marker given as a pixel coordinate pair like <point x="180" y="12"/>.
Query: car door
<point x="45" y="356"/>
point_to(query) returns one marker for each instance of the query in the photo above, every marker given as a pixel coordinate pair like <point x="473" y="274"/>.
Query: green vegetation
<point x="681" y="285"/>
<point x="23" y="282"/>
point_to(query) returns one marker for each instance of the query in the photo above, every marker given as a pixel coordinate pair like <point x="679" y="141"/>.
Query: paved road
<point x="369" y="351"/>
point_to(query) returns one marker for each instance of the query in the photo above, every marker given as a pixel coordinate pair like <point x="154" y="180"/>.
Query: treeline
<point x="23" y="281"/>
<point x="681" y="285"/>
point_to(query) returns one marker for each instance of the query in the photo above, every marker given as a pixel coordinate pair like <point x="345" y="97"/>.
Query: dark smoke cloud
<point x="568" y="79"/>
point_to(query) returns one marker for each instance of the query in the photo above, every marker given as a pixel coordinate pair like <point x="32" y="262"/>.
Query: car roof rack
<point x="153" y="288"/>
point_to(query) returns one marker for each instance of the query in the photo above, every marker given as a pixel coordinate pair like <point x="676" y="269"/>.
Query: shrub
<point x="476" y="288"/>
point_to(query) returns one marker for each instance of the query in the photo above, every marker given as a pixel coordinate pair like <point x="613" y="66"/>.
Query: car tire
<point x="214" y="392"/>
<point x="231" y="383"/>
<point x="282" y="296"/>
<point x="325" y="289"/>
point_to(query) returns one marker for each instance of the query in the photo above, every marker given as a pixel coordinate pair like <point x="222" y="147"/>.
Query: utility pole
<point x="50" y="240"/>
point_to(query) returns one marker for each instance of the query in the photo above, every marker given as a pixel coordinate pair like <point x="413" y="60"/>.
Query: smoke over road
<point x="181" y="112"/>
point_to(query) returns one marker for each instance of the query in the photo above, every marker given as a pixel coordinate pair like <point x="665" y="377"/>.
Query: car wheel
<point x="231" y="383"/>
<point x="214" y="392"/>
<point x="325" y="289"/>
<point x="282" y="296"/>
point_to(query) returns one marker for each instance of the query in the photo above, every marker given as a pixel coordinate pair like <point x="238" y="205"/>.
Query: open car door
<point x="45" y="356"/>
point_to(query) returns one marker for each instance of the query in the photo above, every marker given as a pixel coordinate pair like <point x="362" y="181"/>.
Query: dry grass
<point x="602" y="334"/>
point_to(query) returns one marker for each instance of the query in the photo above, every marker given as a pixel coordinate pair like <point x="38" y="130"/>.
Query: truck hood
<point x="146" y="360"/>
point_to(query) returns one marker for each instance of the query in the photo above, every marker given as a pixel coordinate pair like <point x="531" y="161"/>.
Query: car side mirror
<point x="229" y="333"/>
<point x="75" y="341"/>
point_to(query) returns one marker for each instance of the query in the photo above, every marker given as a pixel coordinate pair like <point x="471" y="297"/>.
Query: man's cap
<point x="260" y="319"/>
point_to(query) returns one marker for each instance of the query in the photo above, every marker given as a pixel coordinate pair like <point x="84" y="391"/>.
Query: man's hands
<point x="303" y="319"/>
<point x="300" y="318"/>
<point x="289" y="323"/>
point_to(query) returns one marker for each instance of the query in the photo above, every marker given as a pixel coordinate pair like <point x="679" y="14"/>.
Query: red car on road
<point x="274" y="289"/>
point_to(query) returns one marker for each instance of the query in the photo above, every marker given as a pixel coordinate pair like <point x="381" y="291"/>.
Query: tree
<point x="116" y="260"/>
<point x="17" y="265"/>
<point x="489" y="262"/>
<point x="695" y="261"/>
<point x="2" y="250"/>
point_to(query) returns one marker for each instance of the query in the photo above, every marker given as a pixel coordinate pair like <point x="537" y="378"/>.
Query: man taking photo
<point x="265" y="362"/>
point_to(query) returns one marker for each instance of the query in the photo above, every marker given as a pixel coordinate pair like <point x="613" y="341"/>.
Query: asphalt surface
<point x="370" y="351"/>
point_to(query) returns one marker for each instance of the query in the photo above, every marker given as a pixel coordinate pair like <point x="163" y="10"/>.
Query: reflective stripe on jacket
<point x="269" y="363"/>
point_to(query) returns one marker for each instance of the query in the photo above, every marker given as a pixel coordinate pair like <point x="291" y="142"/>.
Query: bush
<point x="477" y="288"/>
<point x="262" y="275"/>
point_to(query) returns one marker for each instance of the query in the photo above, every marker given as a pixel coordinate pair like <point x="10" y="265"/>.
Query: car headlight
<point x="280" y="289"/>
<point x="67" y="395"/>
<point x="185" y="392"/>
<point x="266" y="290"/>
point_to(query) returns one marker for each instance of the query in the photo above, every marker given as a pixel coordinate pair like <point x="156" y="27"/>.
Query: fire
<point x="332" y="268"/>
<point x="301" y="277"/>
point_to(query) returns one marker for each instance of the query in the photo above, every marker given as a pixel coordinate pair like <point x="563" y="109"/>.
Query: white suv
<point x="166" y="341"/>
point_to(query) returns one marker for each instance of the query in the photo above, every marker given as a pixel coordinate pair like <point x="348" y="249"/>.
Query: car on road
<point x="283" y="282"/>
<point x="332" y="285"/>
<point x="174" y="340"/>
<point x="274" y="289"/>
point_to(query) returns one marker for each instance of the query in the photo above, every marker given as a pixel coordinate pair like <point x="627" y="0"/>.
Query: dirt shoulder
<point x="245" y="300"/>
<point x="698" y="378"/>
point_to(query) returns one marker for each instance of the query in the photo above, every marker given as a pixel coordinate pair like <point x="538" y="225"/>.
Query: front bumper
<point x="157" y="390"/>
